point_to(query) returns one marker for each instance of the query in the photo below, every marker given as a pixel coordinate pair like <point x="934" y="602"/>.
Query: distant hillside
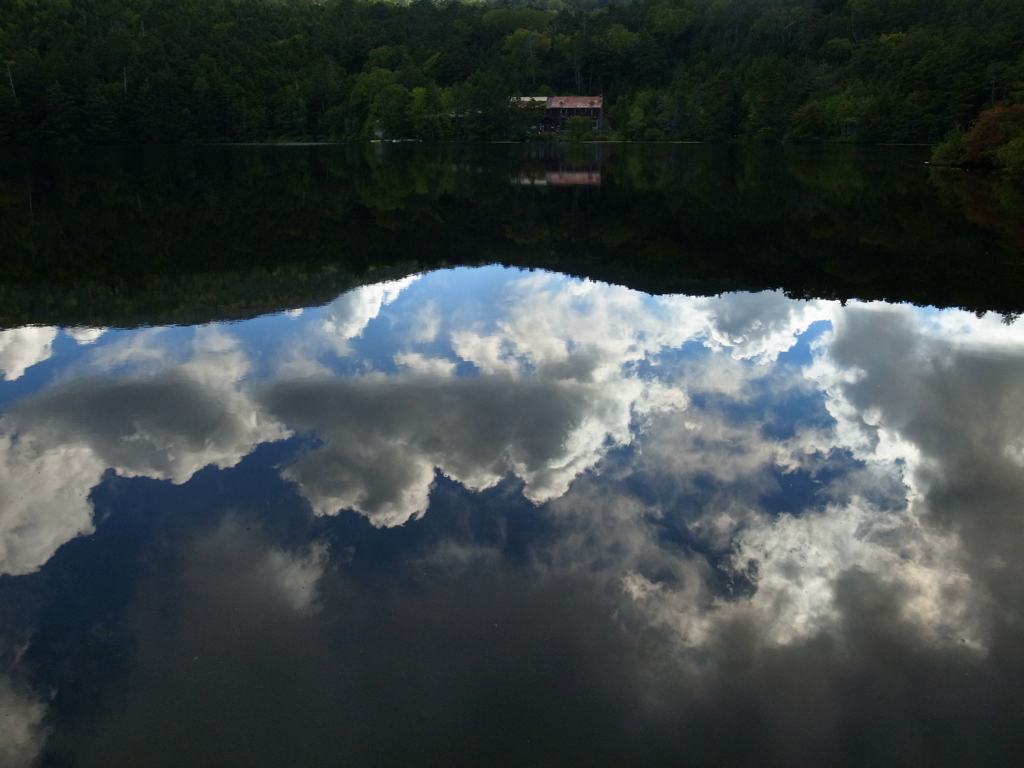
<point x="127" y="71"/>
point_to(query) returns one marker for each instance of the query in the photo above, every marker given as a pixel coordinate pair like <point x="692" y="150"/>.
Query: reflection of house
<point x="550" y="113"/>
<point x="560" y="179"/>
<point x="562" y="165"/>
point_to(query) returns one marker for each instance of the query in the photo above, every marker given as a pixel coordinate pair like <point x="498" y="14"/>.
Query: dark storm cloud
<point x="164" y="427"/>
<point x="962" y="407"/>
<point x="386" y="436"/>
<point x="55" y="446"/>
<point x="494" y="665"/>
<point x="416" y="670"/>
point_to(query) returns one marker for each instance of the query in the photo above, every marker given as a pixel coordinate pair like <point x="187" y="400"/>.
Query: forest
<point x="186" y="71"/>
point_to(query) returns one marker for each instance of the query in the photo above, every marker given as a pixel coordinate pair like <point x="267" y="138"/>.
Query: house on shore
<point x="557" y="110"/>
<point x="560" y="109"/>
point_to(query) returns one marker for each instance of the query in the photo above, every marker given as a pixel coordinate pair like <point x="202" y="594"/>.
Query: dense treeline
<point x="116" y="71"/>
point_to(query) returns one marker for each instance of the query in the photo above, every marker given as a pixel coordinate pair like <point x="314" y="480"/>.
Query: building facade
<point x="560" y="109"/>
<point x="551" y="113"/>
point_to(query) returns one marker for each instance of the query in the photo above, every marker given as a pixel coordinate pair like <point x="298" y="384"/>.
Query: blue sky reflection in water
<point x="494" y="517"/>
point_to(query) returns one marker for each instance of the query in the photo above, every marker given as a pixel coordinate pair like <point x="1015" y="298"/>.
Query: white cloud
<point x="579" y="338"/>
<point x="796" y="563"/>
<point x="931" y="402"/>
<point x="566" y="329"/>
<point x="55" y="446"/>
<point x="84" y="335"/>
<point x="562" y="328"/>
<point x="928" y="401"/>
<point x="893" y="377"/>
<point x="427" y="323"/>
<point x="760" y="326"/>
<point x="802" y="559"/>
<point x="295" y="575"/>
<point x="21" y="348"/>
<point x="347" y="316"/>
<point x="44" y="502"/>
<point x="142" y="350"/>
<point x="21" y="732"/>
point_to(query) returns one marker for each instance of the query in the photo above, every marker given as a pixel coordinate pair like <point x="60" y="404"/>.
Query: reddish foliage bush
<point x="993" y="129"/>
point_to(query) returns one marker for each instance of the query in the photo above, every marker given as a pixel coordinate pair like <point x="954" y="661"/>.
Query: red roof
<point x="575" y="102"/>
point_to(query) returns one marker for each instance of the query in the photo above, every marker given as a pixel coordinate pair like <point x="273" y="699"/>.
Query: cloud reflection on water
<point x="56" y="445"/>
<point x="21" y="731"/>
<point x="724" y="477"/>
<point x="21" y="348"/>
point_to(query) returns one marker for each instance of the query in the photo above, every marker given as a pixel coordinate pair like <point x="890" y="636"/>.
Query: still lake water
<point x="509" y="456"/>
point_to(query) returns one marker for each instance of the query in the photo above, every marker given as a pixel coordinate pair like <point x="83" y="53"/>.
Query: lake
<point x="510" y="455"/>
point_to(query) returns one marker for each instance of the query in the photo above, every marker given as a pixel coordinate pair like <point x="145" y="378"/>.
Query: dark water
<point x="484" y="456"/>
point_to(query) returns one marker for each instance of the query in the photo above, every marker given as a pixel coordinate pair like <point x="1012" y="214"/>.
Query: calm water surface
<point x="490" y="515"/>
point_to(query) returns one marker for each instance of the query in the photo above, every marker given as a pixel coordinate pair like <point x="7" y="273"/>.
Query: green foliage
<point x="507" y="20"/>
<point x="122" y="71"/>
<point x="667" y="20"/>
<point x="577" y="128"/>
<point x="390" y="113"/>
<point x="645" y="119"/>
<point x="1012" y="155"/>
<point x="524" y="51"/>
<point x="950" y="151"/>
